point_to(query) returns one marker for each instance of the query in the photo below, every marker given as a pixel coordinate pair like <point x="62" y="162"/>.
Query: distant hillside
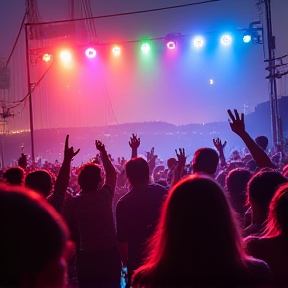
<point x="165" y="137"/>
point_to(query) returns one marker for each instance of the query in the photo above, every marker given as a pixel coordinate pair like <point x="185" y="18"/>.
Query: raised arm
<point x="220" y="148"/>
<point x="134" y="143"/>
<point x="151" y="160"/>
<point x="110" y="171"/>
<point x="179" y="169"/>
<point x="237" y="125"/>
<point x="62" y="181"/>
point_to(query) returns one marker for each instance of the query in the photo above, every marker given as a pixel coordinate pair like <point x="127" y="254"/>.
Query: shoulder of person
<point x="251" y="239"/>
<point x="259" y="269"/>
<point x="158" y="187"/>
<point x="251" y="242"/>
<point x="124" y="198"/>
<point x="257" y="263"/>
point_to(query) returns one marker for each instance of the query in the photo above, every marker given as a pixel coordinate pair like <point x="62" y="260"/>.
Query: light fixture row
<point x="171" y="44"/>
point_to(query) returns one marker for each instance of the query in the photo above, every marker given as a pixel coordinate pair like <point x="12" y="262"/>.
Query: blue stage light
<point x="226" y="39"/>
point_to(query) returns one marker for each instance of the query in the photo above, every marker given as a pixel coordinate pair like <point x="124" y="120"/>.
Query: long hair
<point x="33" y="235"/>
<point x="277" y="222"/>
<point x="197" y="237"/>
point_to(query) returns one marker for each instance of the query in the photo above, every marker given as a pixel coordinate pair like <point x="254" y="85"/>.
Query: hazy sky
<point x="173" y="88"/>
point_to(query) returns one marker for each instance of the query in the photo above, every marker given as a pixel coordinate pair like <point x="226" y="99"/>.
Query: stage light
<point x="47" y="57"/>
<point x="90" y="52"/>
<point x="198" y="42"/>
<point x="226" y="40"/>
<point x="145" y="47"/>
<point x="116" y="50"/>
<point x="171" y="45"/>
<point x="247" y="37"/>
<point x="66" y="56"/>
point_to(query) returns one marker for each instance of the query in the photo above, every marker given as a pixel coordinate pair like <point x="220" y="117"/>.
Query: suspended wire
<point x="32" y="90"/>
<point x="124" y="14"/>
<point x="17" y="38"/>
<point x="109" y="103"/>
<point x="106" y="93"/>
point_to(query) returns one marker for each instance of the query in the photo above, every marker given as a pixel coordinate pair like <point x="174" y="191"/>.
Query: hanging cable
<point x="17" y="38"/>
<point x="32" y="90"/>
<point x="124" y="14"/>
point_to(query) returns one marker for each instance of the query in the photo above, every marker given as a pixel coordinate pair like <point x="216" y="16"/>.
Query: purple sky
<point x="173" y="89"/>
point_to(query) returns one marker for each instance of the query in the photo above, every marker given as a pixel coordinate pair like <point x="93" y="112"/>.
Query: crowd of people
<point x="214" y="222"/>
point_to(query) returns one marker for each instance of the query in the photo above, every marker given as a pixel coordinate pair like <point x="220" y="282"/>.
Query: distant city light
<point x="90" y="52"/>
<point x="226" y="40"/>
<point x="145" y="47"/>
<point x="198" y="42"/>
<point x="66" y="56"/>
<point x="116" y="50"/>
<point x="47" y="57"/>
<point x="171" y="45"/>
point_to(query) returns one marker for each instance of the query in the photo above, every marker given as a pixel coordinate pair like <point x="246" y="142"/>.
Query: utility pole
<point x="270" y="47"/>
<point x="32" y="16"/>
<point x="30" y="95"/>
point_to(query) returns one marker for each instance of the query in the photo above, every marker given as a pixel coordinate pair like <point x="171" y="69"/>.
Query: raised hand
<point x="220" y="147"/>
<point x="100" y="146"/>
<point x="69" y="153"/>
<point x="150" y="155"/>
<point x="97" y="159"/>
<point x="181" y="156"/>
<point x="123" y="161"/>
<point x="218" y="144"/>
<point x="134" y="142"/>
<point x="237" y="124"/>
<point x="110" y="158"/>
<point x="178" y="171"/>
<point x="110" y="171"/>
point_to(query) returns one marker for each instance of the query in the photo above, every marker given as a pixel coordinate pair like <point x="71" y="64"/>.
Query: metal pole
<point x="275" y="117"/>
<point x="30" y="95"/>
<point x="2" y="148"/>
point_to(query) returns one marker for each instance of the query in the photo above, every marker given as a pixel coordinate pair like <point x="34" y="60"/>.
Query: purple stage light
<point x="171" y="45"/>
<point x="90" y="52"/>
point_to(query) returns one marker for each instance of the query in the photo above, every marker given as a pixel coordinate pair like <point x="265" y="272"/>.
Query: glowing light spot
<point x="47" y="57"/>
<point x="247" y="38"/>
<point x="90" y="53"/>
<point x="145" y="47"/>
<point x="66" y="56"/>
<point x="171" y="45"/>
<point x="211" y="81"/>
<point x="226" y="40"/>
<point x="116" y="50"/>
<point x="198" y="42"/>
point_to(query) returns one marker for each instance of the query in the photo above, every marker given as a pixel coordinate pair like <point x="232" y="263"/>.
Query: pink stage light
<point x="90" y="53"/>
<point x="171" y="45"/>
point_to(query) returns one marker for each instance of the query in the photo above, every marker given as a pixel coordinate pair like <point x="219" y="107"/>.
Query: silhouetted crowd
<point x="214" y="222"/>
